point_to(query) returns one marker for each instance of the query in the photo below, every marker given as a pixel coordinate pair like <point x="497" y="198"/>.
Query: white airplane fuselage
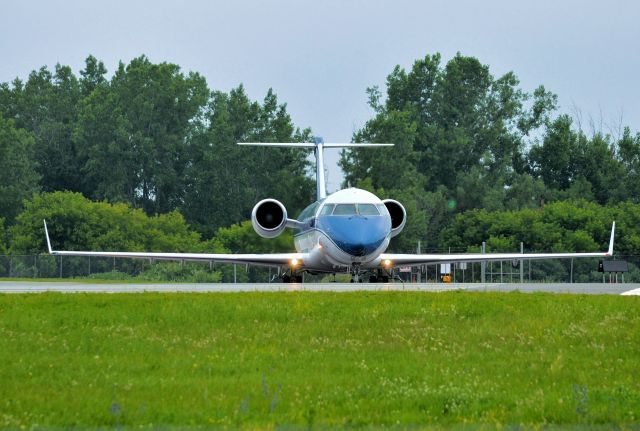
<point x="351" y="227"/>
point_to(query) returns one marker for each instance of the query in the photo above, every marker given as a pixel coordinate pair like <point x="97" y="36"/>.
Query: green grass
<point x="325" y="360"/>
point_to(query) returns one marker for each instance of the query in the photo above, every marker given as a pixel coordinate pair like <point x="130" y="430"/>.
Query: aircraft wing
<point x="273" y="260"/>
<point x="422" y="259"/>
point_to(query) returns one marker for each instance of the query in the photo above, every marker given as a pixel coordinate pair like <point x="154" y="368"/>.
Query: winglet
<point x="613" y="231"/>
<point x="46" y="232"/>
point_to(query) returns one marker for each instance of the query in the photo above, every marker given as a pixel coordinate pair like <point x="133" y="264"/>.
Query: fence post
<point x="521" y="263"/>
<point x="483" y="265"/>
<point x="61" y="266"/>
<point x="571" y="273"/>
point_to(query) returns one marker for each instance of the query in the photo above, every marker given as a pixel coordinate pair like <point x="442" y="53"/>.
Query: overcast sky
<point x="319" y="56"/>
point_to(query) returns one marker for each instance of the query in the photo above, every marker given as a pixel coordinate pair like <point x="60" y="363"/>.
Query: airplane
<point x="345" y="232"/>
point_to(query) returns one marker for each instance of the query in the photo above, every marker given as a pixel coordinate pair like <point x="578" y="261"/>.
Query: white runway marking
<point x="631" y="292"/>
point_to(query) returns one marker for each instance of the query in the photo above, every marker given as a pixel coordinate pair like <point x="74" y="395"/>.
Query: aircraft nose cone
<point x="358" y="236"/>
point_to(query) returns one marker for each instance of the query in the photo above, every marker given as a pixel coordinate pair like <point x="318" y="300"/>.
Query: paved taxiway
<point x="77" y="287"/>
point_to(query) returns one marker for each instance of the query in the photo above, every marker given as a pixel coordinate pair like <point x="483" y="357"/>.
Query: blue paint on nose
<point x="356" y="235"/>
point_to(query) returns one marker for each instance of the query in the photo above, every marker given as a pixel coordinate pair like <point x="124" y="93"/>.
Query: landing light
<point x="387" y="263"/>
<point x="294" y="262"/>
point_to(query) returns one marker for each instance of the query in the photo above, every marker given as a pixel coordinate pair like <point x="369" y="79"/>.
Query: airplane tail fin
<point x="318" y="145"/>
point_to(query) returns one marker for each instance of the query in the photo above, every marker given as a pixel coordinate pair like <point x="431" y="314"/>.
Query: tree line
<point x="150" y="136"/>
<point x="162" y="143"/>
<point x="467" y="140"/>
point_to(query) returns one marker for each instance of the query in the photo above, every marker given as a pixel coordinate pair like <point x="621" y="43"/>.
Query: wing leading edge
<point x="273" y="260"/>
<point x="422" y="259"/>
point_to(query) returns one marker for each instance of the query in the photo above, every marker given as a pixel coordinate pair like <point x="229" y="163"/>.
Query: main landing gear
<point x="379" y="276"/>
<point x="292" y="278"/>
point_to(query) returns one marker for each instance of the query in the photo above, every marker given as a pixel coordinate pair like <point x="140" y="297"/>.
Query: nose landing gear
<point x="355" y="274"/>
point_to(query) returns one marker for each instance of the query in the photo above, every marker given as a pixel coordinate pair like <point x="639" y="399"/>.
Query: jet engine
<point x="398" y="215"/>
<point x="269" y="218"/>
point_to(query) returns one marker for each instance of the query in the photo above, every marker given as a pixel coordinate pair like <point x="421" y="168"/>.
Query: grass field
<point x="319" y="360"/>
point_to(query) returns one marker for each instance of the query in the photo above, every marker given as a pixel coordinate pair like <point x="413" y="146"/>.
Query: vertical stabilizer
<point x="321" y="186"/>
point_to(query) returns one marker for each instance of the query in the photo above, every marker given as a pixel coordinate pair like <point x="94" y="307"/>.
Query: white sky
<point x="319" y="56"/>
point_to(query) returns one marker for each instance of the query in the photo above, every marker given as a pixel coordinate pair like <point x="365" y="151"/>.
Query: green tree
<point x="18" y="175"/>
<point x="629" y="154"/>
<point x="564" y="226"/>
<point x="225" y="180"/>
<point x="76" y="223"/>
<point x="46" y="106"/>
<point x="459" y="132"/>
<point x="3" y="237"/>
<point x="581" y="167"/>
<point x="134" y="133"/>
<point x="93" y="75"/>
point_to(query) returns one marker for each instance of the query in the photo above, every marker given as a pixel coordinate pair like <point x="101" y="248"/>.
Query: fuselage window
<point x="367" y="210"/>
<point x="326" y="210"/>
<point x="345" y="209"/>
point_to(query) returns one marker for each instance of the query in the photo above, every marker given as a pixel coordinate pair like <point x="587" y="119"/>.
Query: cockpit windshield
<point x="326" y="210"/>
<point x="345" y="209"/>
<point x="367" y="210"/>
<point x="350" y="210"/>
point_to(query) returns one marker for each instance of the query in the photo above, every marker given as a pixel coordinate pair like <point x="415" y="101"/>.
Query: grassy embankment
<point x="320" y="359"/>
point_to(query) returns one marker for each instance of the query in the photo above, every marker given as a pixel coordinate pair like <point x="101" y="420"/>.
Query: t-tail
<point x="318" y="147"/>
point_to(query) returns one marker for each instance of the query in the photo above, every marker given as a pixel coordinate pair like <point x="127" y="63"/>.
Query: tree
<point x="18" y="176"/>
<point x="582" y="167"/>
<point x="135" y="133"/>
<point x="46" y="106"/>
<point x="3" y="237"/>
<point x="76" y="223"/>
<point x="225" y="180"/>
<point x="459" y="133"/>
<point x="93" y="75"/>
<point x="629" y="154"/>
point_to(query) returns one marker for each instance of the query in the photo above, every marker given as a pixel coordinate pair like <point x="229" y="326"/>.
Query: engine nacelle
<point x="269" y="218"/>
<point x="398" y="215"/>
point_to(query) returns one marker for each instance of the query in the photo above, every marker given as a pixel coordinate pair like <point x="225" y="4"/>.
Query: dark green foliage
<point x="155" y="138"/>
<point x="46" y="105"/>
<point x="134" y="134"/>
<point x="629" y="153"/>
<point x="459" y="133"/>
<point x="18" y="175"/>
<point x="3" y="237"/>
<point x="224" y="181"/>
<point x="471" y="141"/>
<point x="579" y="167"/>
<point x="75" y="223"/>
<point x="561" y="226"/>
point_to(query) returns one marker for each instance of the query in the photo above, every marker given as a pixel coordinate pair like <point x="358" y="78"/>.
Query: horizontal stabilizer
<point x="312" y="145"/>
<point x="318" y="147"/>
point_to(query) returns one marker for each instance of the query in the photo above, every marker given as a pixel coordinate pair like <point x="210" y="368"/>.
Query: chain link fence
<point x="552" y="270"/>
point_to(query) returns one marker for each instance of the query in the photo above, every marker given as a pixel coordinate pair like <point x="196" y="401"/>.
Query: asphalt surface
<point x="77" y="287"/>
